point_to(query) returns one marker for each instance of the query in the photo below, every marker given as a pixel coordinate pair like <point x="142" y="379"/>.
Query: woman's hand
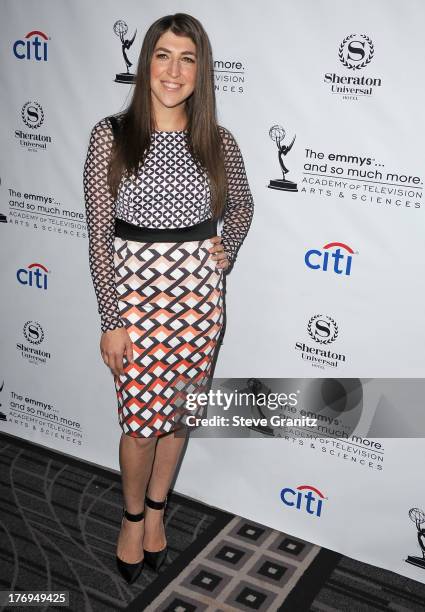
<point x="218" y="253"/>
<point x="114" y="344"/>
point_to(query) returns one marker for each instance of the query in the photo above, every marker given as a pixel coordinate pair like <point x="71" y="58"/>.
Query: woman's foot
<point x="154" y="538"/>
<point x="130" y="541"/>
<point x="155" y="543"/>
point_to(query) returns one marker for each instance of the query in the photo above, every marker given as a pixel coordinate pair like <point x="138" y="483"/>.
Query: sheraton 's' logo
<point x="32" y="114"/>
<point x="322" y="328"/>
<point x="33" y="332"/>
<point x="356" y="51"/>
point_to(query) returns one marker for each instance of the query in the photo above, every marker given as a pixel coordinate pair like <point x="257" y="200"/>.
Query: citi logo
<point x="34" y="275"/>
<point x="334" y="256"/>
<point x="305" y="498"/>
<point x="33" y="47"/>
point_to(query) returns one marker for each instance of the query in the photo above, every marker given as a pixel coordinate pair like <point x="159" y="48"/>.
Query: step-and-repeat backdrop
<point x="325" y="100"/>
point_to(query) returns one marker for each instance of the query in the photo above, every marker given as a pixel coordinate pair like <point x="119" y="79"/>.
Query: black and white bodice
<point x="169" y="191"/>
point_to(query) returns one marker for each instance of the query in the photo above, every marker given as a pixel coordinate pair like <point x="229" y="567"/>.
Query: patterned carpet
<point x="59" y="521"/>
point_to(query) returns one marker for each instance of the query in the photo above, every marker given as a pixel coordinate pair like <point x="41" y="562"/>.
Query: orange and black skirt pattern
<point x="171" y="302"/>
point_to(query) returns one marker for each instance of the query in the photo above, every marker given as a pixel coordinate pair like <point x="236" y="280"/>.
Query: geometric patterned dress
<point x="168" y="295"/>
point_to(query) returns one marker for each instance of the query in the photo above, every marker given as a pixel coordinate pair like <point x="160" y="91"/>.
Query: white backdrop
<point x="271" y="59"/>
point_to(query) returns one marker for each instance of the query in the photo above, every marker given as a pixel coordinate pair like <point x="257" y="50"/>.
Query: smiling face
<point x="173" y="71"/>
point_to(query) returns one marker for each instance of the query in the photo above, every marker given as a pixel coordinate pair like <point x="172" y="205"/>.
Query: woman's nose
<point x="174" y="68"/>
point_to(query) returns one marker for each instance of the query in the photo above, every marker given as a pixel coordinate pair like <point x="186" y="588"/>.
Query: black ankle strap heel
<point x="154" y="504"/>
<point x="133" y="517"/>
<point x="130" y="571"/>
<point x="155" y="558"/>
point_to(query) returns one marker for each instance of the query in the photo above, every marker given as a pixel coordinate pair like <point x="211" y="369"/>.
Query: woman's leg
<point x="136" y="457"/>
<point x="167" y="454"/>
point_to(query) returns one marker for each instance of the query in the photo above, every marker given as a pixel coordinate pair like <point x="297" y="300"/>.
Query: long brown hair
<point x="136" y="122"/>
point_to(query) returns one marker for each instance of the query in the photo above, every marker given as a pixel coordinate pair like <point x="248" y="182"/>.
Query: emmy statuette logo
<point x="121" y="29"/>
<point x="2" y="414"/>
<point x="277" y="134"/>
<point x="418" y="517"/>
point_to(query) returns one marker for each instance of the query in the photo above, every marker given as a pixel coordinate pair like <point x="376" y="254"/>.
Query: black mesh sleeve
<point x="240" y="205"/>
<point x="100" y="219"/>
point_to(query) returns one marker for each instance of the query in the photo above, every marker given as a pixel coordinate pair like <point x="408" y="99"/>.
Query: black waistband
<point x="200" y="231"/>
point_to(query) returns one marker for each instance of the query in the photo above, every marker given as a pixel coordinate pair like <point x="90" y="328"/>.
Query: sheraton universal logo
<point x="355" y="52"/>
<point x="324" y="330"/>
<point x="30" y="350"/>
<point x="31" y="138"/>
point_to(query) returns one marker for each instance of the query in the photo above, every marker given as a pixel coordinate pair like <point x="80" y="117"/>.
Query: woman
<point x="157" y="177"/>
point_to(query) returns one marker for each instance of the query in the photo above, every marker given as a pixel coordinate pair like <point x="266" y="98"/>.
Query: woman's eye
<point x="165" y="56"/>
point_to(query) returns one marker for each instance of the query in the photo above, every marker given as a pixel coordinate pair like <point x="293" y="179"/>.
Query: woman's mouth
<point x="169" y="86"/>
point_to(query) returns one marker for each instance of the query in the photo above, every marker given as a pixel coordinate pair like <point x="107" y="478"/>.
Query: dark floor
<point x="59" y="524"/>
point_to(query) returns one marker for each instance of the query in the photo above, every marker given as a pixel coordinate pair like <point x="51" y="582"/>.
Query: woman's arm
<point x="100" y="218"/>
<point x="239" y="205"/>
